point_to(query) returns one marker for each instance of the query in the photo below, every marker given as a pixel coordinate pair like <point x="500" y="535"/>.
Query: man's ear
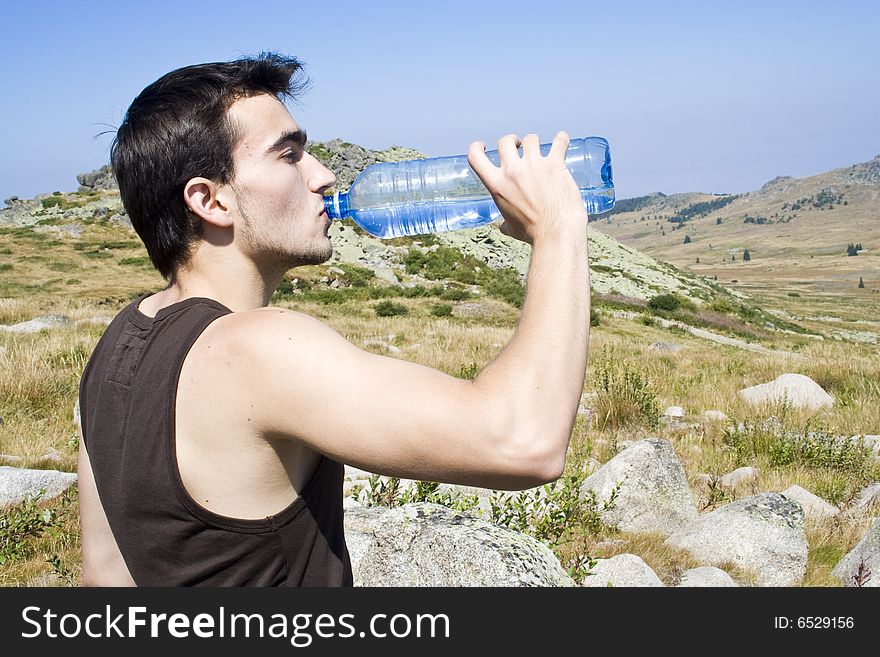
<point x="208" y="200"/>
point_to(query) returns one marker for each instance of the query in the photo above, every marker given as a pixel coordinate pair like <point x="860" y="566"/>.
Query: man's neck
<point x="238" y="284"/>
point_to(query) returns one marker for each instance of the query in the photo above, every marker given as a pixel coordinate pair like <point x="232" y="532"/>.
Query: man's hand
<point x="537" y="195"/>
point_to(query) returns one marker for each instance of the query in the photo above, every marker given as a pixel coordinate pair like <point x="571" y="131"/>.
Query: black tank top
<point x="127" y="395"/>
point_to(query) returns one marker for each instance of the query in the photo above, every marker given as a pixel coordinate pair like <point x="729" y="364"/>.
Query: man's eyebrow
<point x="297" y="138"/>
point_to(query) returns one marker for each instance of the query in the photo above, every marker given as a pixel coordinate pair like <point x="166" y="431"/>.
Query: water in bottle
<point x="393" y="199"/>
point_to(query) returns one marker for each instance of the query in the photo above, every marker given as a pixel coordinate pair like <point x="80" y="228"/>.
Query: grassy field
<point x="457" y="328"/>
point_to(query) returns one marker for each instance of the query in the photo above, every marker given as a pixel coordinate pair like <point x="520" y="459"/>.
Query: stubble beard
<point x="274" y="252"/>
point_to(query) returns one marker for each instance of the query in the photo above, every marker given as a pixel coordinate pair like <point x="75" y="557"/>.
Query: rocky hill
<point x="797" y="231"/>
<point x="616" y="269"/>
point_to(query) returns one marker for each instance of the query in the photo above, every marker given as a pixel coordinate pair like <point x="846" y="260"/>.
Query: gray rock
<point x="38" y="324"/>
<point x="673" y="412"/>
<point x="665" y="347"/>
<point x="654" y="495"/>
<point x="739" y="477"/>
<point x="64" y="230"/>
<point x="800" y="390"/>
<point x="95" y="319"/>
<point x="871" y="441"/>
<point x="861" y="565"/>
<point x="713" y="416"/>
<point x="706" y="576"/>
<point x="17" y="484"/>
<point x="764" y="533"/>
<point x="53" y="456"/>
<point x="431" y="545"/>
<point x="122" y="219"/>
<point x="386" y="274"/>
<point x="867" y="501"/>
<point x="99" y="179"/>
<point x="622" y="570"/>
<point x="813" y="505"/>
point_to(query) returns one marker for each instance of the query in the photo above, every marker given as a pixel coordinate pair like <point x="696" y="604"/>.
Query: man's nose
<point x="322" y="177"/>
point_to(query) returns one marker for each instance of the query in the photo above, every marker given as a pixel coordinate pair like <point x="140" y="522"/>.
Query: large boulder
<point x="861" y="565"/>
<point x="739" y="477"/>
<point x="19" y="484"/>
<point x="867" y="502"/>
<point x="764" y="533"/>
<point x="102" y="178"/>
<point x="707" y="577"/>
<point x="813" y="505"/>
<point x="798" y="389"/>
<point x="622" y="570"/>
<point x="431" y="545"/>
<point x="654" y="495"/>
<point x="38" y="324"/>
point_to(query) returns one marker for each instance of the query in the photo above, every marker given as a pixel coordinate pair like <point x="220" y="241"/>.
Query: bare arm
<point x="509" y="427"/>
<point x="102" y="563"/>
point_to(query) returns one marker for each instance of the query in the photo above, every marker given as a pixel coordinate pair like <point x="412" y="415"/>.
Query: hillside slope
<point x="796" y="230"/>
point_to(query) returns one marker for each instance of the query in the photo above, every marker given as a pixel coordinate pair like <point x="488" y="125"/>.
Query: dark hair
<point x="177" y="129"/>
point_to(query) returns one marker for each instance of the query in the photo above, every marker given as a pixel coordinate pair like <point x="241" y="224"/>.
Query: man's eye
<point x="293" y="156"/>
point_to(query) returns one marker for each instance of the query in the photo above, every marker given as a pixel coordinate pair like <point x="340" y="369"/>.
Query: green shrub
<point x="414" y="292"/>
<point x="384" y="292"/>
<point x="723" y="306"/>
<point x="455" y="294"/>
<point x="625" y="397"/>
<point x="784" y="446"/>
<point x="73" y="281"/>
<point x="668" y="303"/>
<point x="468" y="371"/>
<point x="504" y="284"/>
<point x="594" y="317"/>
<point x="23" y="524"/>
<point x="143" y="261"/>
<point x="441" y="310"/>
<point x="5" y="266"/>
<point x="390" y="309"/>
<point x="340" y="295"/>
<point x="357" y="276"/>
<point x="444" y="263"/>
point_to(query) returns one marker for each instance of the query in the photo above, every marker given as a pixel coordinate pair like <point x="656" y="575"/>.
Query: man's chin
<point x="316" y="257"/>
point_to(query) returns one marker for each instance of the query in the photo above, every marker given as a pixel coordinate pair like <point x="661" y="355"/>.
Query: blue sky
<point x="692" y="96"/>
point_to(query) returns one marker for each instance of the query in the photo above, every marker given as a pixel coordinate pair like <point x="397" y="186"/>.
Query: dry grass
<point x="39" y="375"/>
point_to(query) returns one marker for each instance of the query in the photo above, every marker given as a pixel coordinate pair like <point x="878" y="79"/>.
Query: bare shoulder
<point x="263" y="331"/>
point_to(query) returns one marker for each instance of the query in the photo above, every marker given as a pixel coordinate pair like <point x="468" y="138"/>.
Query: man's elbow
<point x="539" y="460"/>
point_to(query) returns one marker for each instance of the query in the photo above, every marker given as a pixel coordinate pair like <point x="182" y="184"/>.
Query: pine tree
<point x="698" y="259"/>
<point x="851" y="250"/>
<point x="747" y="256"/>
<point x="687" y="239"/>
<point x="861" y="282"/>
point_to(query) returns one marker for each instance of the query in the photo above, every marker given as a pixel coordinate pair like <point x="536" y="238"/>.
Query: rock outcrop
<point x="653" y="496"/>
<point x="763" y="533"/>
<point x="431" y="545"/>
<point x="19" y="484"/>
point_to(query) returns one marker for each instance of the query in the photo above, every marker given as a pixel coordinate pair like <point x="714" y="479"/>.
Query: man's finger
<point x="560" y="146"/>
<point x="531" y="146"/>
<point x="481" y="164"/>
<point x="507" y="146"/>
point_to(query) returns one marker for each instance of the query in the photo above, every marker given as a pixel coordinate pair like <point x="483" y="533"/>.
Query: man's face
<point x="278" y="187"/>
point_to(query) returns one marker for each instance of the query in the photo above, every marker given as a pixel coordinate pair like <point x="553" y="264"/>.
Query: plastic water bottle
<point x="392" y="199"/>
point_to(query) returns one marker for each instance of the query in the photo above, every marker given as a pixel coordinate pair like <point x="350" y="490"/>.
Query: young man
<point x="214" y="428"/>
